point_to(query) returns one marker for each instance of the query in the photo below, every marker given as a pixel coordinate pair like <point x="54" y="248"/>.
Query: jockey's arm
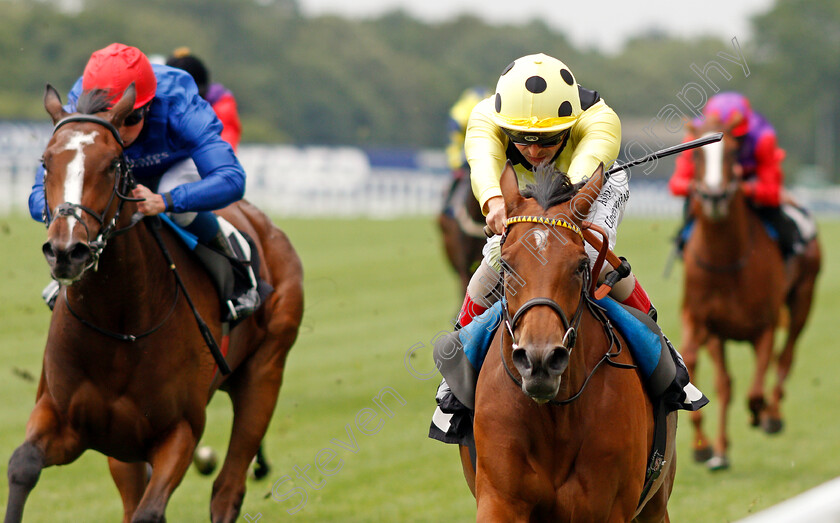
<point x="484" y="146"/>
<point x="596" y="139"/>
<point x="680" y="182"/>
<point x="36" y="197"/>
<point x="222" y="176"/>
<point x="766" y="188"/>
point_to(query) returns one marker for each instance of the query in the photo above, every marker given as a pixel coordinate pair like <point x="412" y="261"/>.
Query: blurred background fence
<point x="318" y="181"/>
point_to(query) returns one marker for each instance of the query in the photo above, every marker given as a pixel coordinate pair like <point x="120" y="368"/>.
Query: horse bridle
<point x="123" y="183"/>
<point x="715" y="199"/>
<point x="571" y="327"/>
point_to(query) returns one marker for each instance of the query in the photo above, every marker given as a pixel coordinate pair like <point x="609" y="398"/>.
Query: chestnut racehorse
<point x="462" y="231"/>
<point x="126" y="370"/>
<point x="563" y="425"/>
<point x="736" y="284"/>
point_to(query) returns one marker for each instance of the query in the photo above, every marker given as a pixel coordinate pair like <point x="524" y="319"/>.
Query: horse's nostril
<point x="521" y="360"/>
<point x="49" y="252"/>
<point x="557" y="360"/>
<point x="79" y="253"/>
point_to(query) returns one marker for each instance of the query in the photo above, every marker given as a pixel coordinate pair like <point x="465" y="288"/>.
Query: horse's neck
<point x="132" y="276"/>
<point x="730" y="237"/>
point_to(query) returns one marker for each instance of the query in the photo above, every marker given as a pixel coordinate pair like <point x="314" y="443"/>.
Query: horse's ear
<point x="510" y="188"/>
<point x="587" y="195"/>
<point x="691" y="129"/>
<point x="52" y="103"/>
<point x="124" y="107"/>
<point x="734" y="121"/>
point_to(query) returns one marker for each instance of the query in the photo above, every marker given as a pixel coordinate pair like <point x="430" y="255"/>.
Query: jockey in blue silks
<point x="172" y="143"/>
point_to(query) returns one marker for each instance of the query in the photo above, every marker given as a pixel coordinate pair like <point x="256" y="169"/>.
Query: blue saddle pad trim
<point x="689" y="228"/>
<point x="644" y="344"/>
<point x="771" y="231"/>
<point x="477" y="335"/>
<point x="189" y="239"/>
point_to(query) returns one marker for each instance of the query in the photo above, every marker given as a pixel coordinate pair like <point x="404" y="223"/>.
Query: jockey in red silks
<point x="760" y="159"/>
<point x="217" y="95"/>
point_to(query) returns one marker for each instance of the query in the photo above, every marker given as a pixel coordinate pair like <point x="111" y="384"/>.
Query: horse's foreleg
<point x="131" y="479"/>
<point x="48" y="442"/>
<point x="495" y="508"/>
<point x="799" y="304"/>
<point x="24" y="470"/>
<point x="467" y="465"/>
<point x="253" y="391"/>
<point x="756" y="402"/>
<point x="723" y="387"/>
<point x="690" y="350"/>
<point x="170" y="460"/>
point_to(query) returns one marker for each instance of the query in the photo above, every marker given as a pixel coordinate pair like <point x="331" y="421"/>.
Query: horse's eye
<point x="583" y="266"/>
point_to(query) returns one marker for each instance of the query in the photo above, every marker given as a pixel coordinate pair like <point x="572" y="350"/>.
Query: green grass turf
<point x="375" y="290"/>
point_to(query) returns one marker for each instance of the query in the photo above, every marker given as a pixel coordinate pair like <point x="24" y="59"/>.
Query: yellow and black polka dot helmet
<point x="538" y="94"/>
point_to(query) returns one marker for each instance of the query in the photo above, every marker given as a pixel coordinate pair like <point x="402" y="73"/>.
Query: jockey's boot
<point x="639" y="299"/>
<point x="230" y="242"/>
<point x="469" y="310"/>
<point x="50" y="293"/>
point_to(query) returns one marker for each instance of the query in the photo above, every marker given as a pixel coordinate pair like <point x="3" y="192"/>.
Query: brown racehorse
<point x="736" y="284"/>
<point x="463" y="231"/>
<point x="562" y="428"/>
<point x="143" y="401"/>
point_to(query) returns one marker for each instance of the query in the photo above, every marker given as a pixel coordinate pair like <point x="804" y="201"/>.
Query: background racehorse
<point x="544" y="453"/>
<point x="461" y="224"/>
<point x="126" y="371"/>
<point x="736" y="284"/>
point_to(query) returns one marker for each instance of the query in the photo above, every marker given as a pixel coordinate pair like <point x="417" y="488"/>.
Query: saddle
<point x="235" y="277"/>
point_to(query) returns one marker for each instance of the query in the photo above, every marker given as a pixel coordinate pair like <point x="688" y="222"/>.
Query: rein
<point x="572" y="327"/>
<point x="117" y="335"/>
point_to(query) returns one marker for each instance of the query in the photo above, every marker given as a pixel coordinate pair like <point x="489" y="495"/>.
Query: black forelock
<point x="93" y="101"/>
<point x="551" y="187"/>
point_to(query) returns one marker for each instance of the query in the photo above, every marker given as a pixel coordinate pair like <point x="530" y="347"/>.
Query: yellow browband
<point x="545" y="221"/>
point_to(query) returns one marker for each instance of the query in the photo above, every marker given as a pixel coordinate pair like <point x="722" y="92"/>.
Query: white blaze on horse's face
<point x="541" y="238"/>
<point x="75" y="175"/>
<point x="713" y="177"/>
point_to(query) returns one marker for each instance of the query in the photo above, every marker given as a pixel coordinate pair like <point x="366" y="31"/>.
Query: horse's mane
<point x="551" y="187"/>
<point x="93" y="101"/>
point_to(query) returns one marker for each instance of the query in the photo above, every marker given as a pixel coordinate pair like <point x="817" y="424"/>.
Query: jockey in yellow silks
<point x="540" y="114"/>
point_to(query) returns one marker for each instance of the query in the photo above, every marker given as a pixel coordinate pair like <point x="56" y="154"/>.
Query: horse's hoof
<point x="772" y="425"/>
<point x="703" y="455"/>
<point x="716" y="463"/>
<point x="261" y="471"/>
<point x="258" y="470"/>
<point x="755" y="407"/>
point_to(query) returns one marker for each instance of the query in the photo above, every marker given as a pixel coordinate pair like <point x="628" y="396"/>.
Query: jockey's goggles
<point x="135" y="116"/>
<point x="541" y="139"/>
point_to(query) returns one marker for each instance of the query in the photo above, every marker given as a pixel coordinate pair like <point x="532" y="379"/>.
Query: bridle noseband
<point x="570" y="337"/>
<point x="572" y="327"/>
<point x="123" y="183"/>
